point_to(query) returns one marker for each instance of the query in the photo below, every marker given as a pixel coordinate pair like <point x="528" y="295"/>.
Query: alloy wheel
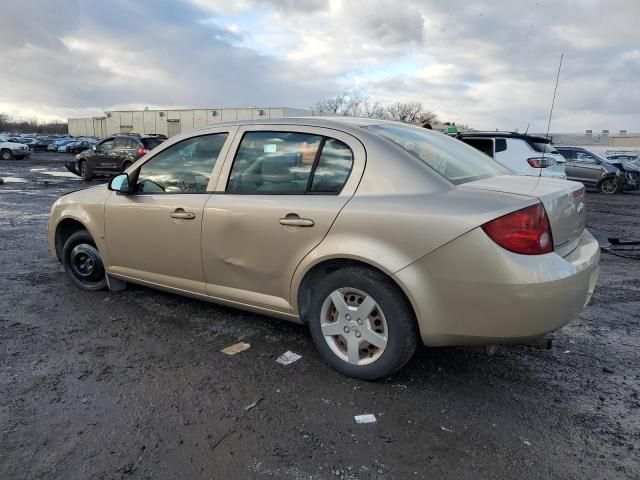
<point x="354" y="326"/>
<point x="609" y="186"/>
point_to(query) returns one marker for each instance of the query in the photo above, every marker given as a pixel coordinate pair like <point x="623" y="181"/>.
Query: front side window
<point x="485" y="145"/>
<point x="451" y="158"/>
<point x="585" y="157"/>
<point x="106" y="146"/>
<point x="182" y="168"/>
<point x="273" y="162"/>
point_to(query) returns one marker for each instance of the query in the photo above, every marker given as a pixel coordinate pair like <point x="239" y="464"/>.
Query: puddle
<point x="54" y="173"/>
<point x="14" y="180"/>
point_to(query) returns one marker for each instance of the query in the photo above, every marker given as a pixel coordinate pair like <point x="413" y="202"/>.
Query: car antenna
<point x="553" y="102"/>
<point x="527" y="130"/>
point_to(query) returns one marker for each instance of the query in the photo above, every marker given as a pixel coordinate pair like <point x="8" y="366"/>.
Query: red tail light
<point x="142" y="152"/>
<point x="525" y="231"/>
<point x="541" y="162"/>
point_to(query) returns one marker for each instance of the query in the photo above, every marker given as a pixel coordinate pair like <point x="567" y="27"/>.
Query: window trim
<point x="316" y="160"/>
<point x="217" y="165"/>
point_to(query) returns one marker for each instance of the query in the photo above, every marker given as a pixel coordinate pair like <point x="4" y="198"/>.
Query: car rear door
<point x="154" y="234"/>
<point x="276" y="199"/>
<point x="587" y="168"/>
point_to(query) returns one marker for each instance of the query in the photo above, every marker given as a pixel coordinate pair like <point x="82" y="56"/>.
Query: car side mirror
<point x="94" y="148"/>
<point x="120" y="184"/>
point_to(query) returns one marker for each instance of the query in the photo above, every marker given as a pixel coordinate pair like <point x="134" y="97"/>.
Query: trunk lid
<point x="563" y="201"/>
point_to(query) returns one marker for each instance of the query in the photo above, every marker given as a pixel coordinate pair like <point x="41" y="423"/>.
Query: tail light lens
<point x="542" y="162"/>
<point x="525" y="231"/>
<point x="142" y="152"/>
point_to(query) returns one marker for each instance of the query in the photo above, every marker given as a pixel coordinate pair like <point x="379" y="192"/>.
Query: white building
<point x="172" y="122"/>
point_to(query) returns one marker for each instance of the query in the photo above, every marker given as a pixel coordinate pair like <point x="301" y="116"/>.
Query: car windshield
<point x="453" y="159"/>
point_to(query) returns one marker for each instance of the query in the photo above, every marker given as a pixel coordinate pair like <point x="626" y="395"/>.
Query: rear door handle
<point x="181" y="214"/>
<point x="294" y="220"/>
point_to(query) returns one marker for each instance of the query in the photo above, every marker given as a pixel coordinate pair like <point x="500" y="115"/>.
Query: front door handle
<point x="182" y="215"/>
<point x="294" y="220"/>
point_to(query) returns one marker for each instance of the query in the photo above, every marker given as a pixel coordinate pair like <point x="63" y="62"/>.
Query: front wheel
<point x="609" y="186"/>
<point x="6" y="155"/>
<point x="82" y="262"/>
<point x="362" y="324"/>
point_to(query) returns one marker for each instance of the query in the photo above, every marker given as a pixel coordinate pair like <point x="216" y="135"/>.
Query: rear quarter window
<point x="151" y="143"/>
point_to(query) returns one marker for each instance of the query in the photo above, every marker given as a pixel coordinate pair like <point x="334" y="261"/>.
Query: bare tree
<point x="8" y="124"/>
<point x="362" y="106"/>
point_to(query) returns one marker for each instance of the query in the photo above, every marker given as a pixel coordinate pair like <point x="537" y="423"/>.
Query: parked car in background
<point x="432" y="241"/>
<point x="522" y="154"/>
<point x="78" y="147"/>
<point x="55" y="145"/>
<point x="37" y="144"/>
<point x="591" y="170"/>
<point x="11" y="150"/>
<point x="629" y="166"/>
<point x="113" y="155"/>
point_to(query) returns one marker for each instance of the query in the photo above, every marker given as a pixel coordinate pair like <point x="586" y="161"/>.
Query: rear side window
<point x="151" y="143"/>
<point x="274" y="163"/>
<point x="568" y="154"/>
<point x="485" y="145"/>
<point x="120" y="142"/>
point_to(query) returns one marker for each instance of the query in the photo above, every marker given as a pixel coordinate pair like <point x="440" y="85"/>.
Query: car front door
<point x="276" y="199"/>
<point x="153" y="234"/>
<point x="100" y="159"/>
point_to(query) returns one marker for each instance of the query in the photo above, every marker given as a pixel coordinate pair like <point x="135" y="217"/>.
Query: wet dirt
<point x="133" y="384"/>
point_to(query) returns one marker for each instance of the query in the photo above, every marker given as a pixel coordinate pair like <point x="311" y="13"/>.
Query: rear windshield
<point x="151" y="143"/>
<point x="453" y="159"/>
<point x="542" y="147"/>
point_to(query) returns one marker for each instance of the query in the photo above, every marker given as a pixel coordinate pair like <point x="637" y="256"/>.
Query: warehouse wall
<point x="171" y="122"/>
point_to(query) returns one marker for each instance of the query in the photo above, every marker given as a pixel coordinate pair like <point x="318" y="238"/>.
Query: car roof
<point x="352" y="124"/>
<point x="521" y="136"/>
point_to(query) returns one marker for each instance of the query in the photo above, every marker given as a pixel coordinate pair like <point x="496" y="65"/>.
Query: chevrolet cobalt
<point x="375" y="234"/>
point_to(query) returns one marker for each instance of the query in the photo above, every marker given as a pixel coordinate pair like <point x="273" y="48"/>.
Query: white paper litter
<point x="288" y="357"/>
<point x="366" y="418"/>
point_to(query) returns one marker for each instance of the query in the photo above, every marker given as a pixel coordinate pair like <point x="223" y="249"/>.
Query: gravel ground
<point x="132" y="384"/>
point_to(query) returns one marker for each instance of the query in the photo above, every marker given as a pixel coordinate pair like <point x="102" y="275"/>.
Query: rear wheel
<point x="362" y="324"/>
<point x="126" y="165"/>
<point x="84" y="170"/>
<point x="82" y="262"/>
<point x="609" y="186"/>
<point x="6" y="155"/>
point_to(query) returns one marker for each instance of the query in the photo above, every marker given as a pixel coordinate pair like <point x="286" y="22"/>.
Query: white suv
<point x="523" y="154"/>
<point x="11" y="150"/>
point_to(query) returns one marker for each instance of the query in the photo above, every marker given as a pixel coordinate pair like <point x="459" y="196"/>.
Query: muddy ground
<point x="132" y="384"/>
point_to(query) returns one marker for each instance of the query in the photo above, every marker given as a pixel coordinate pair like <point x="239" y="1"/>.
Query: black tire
<point x="85" y="170"/>
<point x="82" y="262"/>
<point x="126" y="165"/>
<point x="610" y="186"/>
<point x="6" y="155"/>
<point x="401" y="328"/>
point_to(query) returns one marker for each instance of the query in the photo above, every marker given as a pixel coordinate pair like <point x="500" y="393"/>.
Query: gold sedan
<point x="375" y="234"/>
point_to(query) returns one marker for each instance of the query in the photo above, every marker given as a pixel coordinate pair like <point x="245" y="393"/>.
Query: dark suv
<point x="590" y="169"/>
<point x="113" y="155"/>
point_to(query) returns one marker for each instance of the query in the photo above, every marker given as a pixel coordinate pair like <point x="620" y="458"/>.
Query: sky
<point x="487" y="64"/>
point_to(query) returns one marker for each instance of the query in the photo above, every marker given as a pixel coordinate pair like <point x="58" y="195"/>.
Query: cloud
<point x="488" y="64"/>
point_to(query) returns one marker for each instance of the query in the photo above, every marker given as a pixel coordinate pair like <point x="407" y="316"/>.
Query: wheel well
<point x="323" y="269"/>
<point x="64" y="230"/>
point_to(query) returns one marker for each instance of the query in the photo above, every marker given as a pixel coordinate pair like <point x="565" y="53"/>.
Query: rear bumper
<point x="473" y="292"/>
